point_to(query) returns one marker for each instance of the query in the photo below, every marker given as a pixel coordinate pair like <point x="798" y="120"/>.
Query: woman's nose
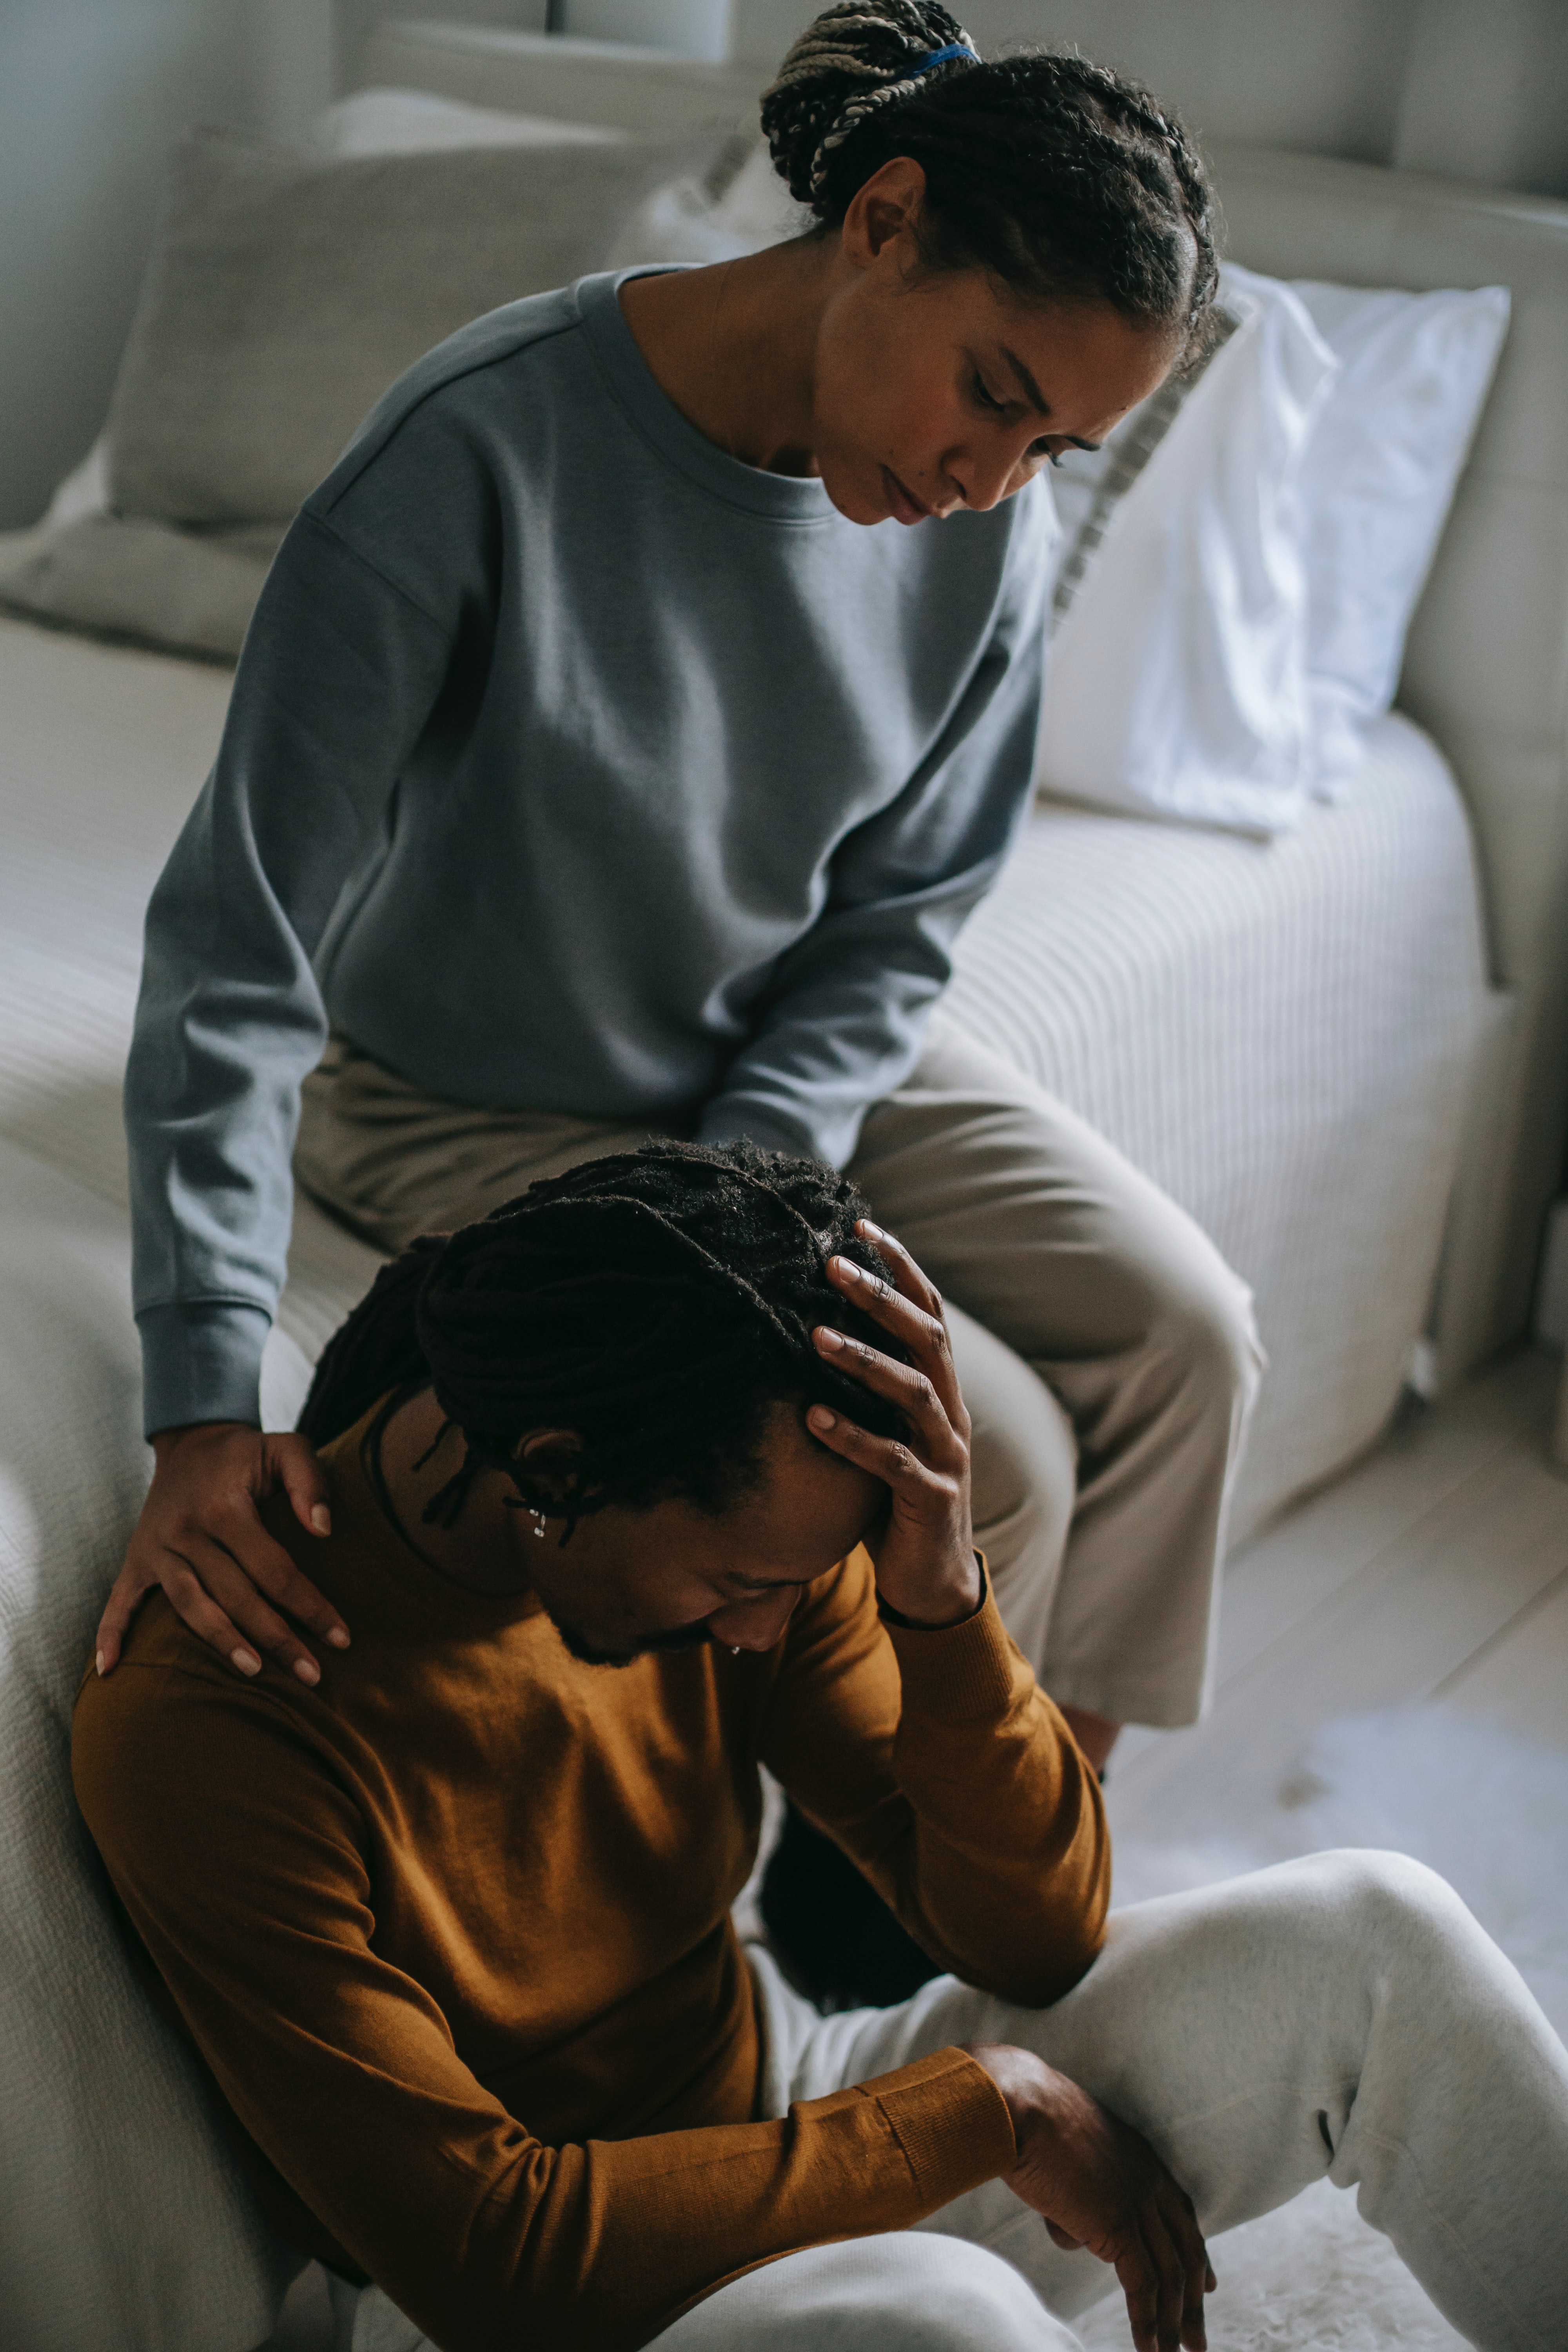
<point x="985" y="477"/>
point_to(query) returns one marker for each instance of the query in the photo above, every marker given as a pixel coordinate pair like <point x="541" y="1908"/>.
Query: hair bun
<point x="849" y="62"/>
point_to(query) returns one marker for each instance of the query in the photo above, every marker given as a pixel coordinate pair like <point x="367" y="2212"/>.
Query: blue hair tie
<point x="943" y="58"/>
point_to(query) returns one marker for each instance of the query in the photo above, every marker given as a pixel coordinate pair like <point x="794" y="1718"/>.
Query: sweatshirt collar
<point x="779" y="497"/>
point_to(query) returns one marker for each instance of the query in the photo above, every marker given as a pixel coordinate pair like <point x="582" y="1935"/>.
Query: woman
<point x="619" y="744"/>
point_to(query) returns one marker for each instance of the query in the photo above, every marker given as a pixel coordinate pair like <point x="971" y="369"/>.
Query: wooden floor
<point x="1436" y="1568"/>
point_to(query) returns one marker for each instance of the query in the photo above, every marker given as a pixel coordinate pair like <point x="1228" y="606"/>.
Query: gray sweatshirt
<point x="571" y="764"/>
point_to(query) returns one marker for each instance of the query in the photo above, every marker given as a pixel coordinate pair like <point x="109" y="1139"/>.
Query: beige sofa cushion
<point x="288" y="289"/>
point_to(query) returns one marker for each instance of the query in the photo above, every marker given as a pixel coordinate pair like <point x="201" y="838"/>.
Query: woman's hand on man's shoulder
<point x="201" y="1538"/>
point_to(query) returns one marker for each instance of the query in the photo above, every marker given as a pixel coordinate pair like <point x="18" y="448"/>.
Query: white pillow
<point x="1177" y="681"/>
<point x="738" y="206"/>
<point x="411" y="122"/>
<point x="1380" y="477"/>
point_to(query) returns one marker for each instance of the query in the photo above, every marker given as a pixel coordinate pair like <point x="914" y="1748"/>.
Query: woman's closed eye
<point x="986" y="399"/>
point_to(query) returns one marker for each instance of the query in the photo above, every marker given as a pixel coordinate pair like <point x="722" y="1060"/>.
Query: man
<point x="657" y="1474"/>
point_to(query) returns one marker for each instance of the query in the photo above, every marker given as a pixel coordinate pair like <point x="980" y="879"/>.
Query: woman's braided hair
<point x="657" y="1303"/>
<point x="1065" y="180"/>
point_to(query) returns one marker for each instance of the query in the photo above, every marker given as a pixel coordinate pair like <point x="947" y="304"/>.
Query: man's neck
<point x="417" y="1454"/>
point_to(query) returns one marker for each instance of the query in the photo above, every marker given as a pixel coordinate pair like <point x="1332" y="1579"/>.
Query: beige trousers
<point x="1106" y="1352"/>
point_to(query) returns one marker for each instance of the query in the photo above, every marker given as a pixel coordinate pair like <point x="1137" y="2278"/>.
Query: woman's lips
<point x="901" y="505"/>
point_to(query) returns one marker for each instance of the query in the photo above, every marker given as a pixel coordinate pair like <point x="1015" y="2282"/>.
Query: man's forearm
<point x="1008" y="1866"/>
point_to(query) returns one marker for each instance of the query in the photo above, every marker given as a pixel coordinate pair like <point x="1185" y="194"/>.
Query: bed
<point x="1343" y="1052"/>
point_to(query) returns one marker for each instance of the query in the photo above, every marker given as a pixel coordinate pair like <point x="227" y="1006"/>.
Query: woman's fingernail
<point x="321" y="1519"/>
<point x="246" y="1660"/>
<point x="820" y="1418"/>
<point x="872" y="1233"/>
<point x="101" y="1661"/>
<point x="826" y="1337"/>
<point x="339" y="1637"/>
<point x="847" y="1267"/>
<point x="307" y="1671"/>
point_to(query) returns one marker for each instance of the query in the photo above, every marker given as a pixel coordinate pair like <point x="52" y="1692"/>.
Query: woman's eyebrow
<point x="1037" y="400"/>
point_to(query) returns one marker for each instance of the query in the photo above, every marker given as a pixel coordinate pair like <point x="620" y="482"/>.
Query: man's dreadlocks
<point x="657" y="1303"/>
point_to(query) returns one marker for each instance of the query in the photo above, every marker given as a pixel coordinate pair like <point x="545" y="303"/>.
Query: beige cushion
<point x="149" y="582"/>
<point x="288" y="289"/>
<point x="400" y="121"/>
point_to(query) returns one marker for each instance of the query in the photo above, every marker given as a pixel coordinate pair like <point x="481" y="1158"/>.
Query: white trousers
<point x="1343" y="2015"/>
<point x="1106" y="1352"/>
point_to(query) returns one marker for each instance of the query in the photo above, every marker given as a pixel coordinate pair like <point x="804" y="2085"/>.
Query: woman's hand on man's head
<point x="923" y="1547"/>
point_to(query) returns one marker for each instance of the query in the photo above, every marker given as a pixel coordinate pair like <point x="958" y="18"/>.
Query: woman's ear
<point x="882" y="210"/>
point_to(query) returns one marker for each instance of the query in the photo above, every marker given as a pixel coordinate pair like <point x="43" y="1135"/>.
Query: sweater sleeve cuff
<point x="891" y="1616"/>
<point x="967" y="1672"/>
<point x="201" y="1362"/>
<point x="951" y="2122"/>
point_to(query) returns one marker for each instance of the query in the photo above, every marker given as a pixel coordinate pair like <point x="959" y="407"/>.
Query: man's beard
<point x="682" y="1637"/>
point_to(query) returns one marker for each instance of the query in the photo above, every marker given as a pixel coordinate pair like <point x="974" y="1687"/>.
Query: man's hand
<point x="200" y="1537"/>
<point x="1098" y="2183"/>
<point x="923" y="1550"/>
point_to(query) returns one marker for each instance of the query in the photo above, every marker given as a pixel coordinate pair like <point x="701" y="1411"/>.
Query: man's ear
<point x="551" y="1457"/>
<point x="882" y="210"/>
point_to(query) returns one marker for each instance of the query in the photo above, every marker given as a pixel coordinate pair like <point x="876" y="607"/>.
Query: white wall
<point x="91" y="92"/>
<point x="694" y="28"/>
<point x="92" y="95"/>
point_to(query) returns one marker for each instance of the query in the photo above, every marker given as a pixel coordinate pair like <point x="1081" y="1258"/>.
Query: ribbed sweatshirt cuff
<point x="951" y="2121"/>
<point x="201" y="1362"/>
<point x="964" y="1673"/>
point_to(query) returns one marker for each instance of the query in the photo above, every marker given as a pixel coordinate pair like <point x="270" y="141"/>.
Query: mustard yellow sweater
<point x="452" y="1930"/>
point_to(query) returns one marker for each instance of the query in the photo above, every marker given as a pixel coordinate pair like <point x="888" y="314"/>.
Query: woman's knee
<point x="1025" y="1465"/>
<point x="1202" y="1320"/>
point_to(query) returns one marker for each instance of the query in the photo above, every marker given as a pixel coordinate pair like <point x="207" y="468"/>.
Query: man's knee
<point x="966" y="2298"/>
<point x="959" y="2298"/>
<point x="1389" y="1903"/>
<point x="920" y="2292"/>
<point x="914" y="2290"/>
